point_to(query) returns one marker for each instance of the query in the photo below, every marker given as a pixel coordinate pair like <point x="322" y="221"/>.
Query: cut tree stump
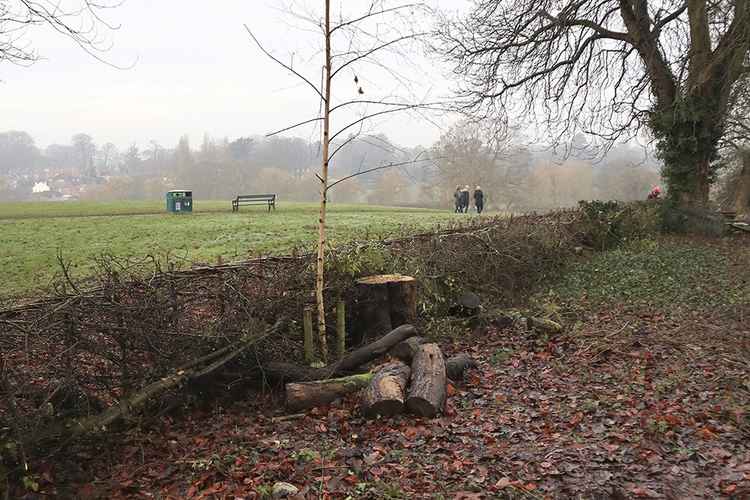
<point x="304" y="395"/>
<point x="385" y="393"/>
<point x="456" y="366"/>
<point x="381" y="303"/>
<point x="427" y="391"/>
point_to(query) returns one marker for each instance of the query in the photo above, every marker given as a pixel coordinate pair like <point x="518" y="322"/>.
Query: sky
<point x="190" y="67"/>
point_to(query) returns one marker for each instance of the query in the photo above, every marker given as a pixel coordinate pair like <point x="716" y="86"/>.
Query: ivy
<point x="686" y="132"/>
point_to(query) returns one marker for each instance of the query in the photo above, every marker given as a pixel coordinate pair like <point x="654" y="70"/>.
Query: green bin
<point x="179" y="201"/>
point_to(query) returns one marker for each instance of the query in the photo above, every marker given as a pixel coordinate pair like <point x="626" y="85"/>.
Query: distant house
<point x="40" y="187"/>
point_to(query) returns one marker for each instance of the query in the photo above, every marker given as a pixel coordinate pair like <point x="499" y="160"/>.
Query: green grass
<point x="32" y="233"/>
<point x="665" y="272"/>
<point x="35" y="210"/>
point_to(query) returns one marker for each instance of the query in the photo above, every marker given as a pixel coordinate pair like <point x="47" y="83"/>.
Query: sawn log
<point x="427" y="391"/>
<point x="385" y="394"/>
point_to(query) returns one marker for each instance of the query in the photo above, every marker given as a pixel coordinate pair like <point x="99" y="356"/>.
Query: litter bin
<point x="179" y="201"/>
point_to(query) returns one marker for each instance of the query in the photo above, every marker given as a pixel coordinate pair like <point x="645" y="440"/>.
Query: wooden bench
<point x="254" y="199"/>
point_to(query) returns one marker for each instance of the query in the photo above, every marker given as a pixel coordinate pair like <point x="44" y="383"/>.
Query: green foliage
<point x="653" y="272"/>
<point x="31" y="483"/>
<point x="500" y="356"/>
<point x="305" y="455"/>
<point x="607" y="224"/>
<point x="359" y="260"/>
<point x="265" y="491"/>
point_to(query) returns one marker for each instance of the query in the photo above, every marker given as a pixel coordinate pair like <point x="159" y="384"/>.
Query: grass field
<point x="31" y="234"/>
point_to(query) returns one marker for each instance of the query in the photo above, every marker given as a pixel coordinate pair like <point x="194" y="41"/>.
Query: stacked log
<point x="454" y="366"/>
<point x="427" y="391"/>
<point x="385" y="394"/>
<point x="304" y="395"/>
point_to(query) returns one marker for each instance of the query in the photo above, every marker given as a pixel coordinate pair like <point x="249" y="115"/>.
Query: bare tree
<point x="735" y="152"/>
<point x="82" y="21"/>
<point x="472" y="153"/>
<point x="353" y="45"/>
<point x="611" y="67"/>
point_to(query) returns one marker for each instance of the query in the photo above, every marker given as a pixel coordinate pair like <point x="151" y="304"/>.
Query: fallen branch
<point x="179" y="378"/>
<point x="287" y="372"/>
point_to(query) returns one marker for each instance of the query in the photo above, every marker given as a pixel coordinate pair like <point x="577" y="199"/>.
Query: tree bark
<point x="371" y="312"/>
<point x="428" y="382"/>
<point x="381" y="303"/>
<point x="385" y="393"/>
<point x="304" y="395"/>
<point x="402" y="295"/>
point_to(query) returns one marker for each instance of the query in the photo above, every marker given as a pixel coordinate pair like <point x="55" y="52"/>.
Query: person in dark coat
<point x="479" y="199"/>
<point x="465" y="199"/>
<point x="457" y="199"/>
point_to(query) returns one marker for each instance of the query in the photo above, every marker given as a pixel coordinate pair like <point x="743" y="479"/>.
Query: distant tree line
<point x="514" y="175"/>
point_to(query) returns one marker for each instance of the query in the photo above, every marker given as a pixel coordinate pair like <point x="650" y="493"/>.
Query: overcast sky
<point x="194" y="70"/>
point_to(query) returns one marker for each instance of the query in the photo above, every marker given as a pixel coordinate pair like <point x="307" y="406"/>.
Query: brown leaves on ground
<point x="626" y="404"/>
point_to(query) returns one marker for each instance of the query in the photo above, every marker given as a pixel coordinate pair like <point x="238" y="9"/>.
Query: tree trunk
<point x="304" y="395"/>
<point x="385" y="394"/>
<point x="697" y="197"/>
<point x="320" y="260"/>
<point x="428" y="382"/>
<point x="381" y="303"/>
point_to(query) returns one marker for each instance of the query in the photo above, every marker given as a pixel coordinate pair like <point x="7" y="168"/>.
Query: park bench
<point x="254" y="199"/>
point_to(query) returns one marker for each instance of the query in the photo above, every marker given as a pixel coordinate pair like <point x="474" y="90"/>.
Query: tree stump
<point x="381" y="303"/>
<point x="427" y="391"/>
<point x="385" y="394"/>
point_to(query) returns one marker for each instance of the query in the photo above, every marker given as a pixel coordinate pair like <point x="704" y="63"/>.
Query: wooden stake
<point x="308" y="329"/>
<point x="340" y="329"/>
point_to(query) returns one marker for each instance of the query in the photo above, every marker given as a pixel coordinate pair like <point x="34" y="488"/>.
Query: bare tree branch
<point x="283" y="64"/>
<point x="376" y="49"/>
<point x="381" y="167"/>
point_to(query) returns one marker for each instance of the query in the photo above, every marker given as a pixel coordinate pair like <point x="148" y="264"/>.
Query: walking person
<point x="457" y="199"/>
<point x="465" y="199"/>
<point x="479" y="199"/>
